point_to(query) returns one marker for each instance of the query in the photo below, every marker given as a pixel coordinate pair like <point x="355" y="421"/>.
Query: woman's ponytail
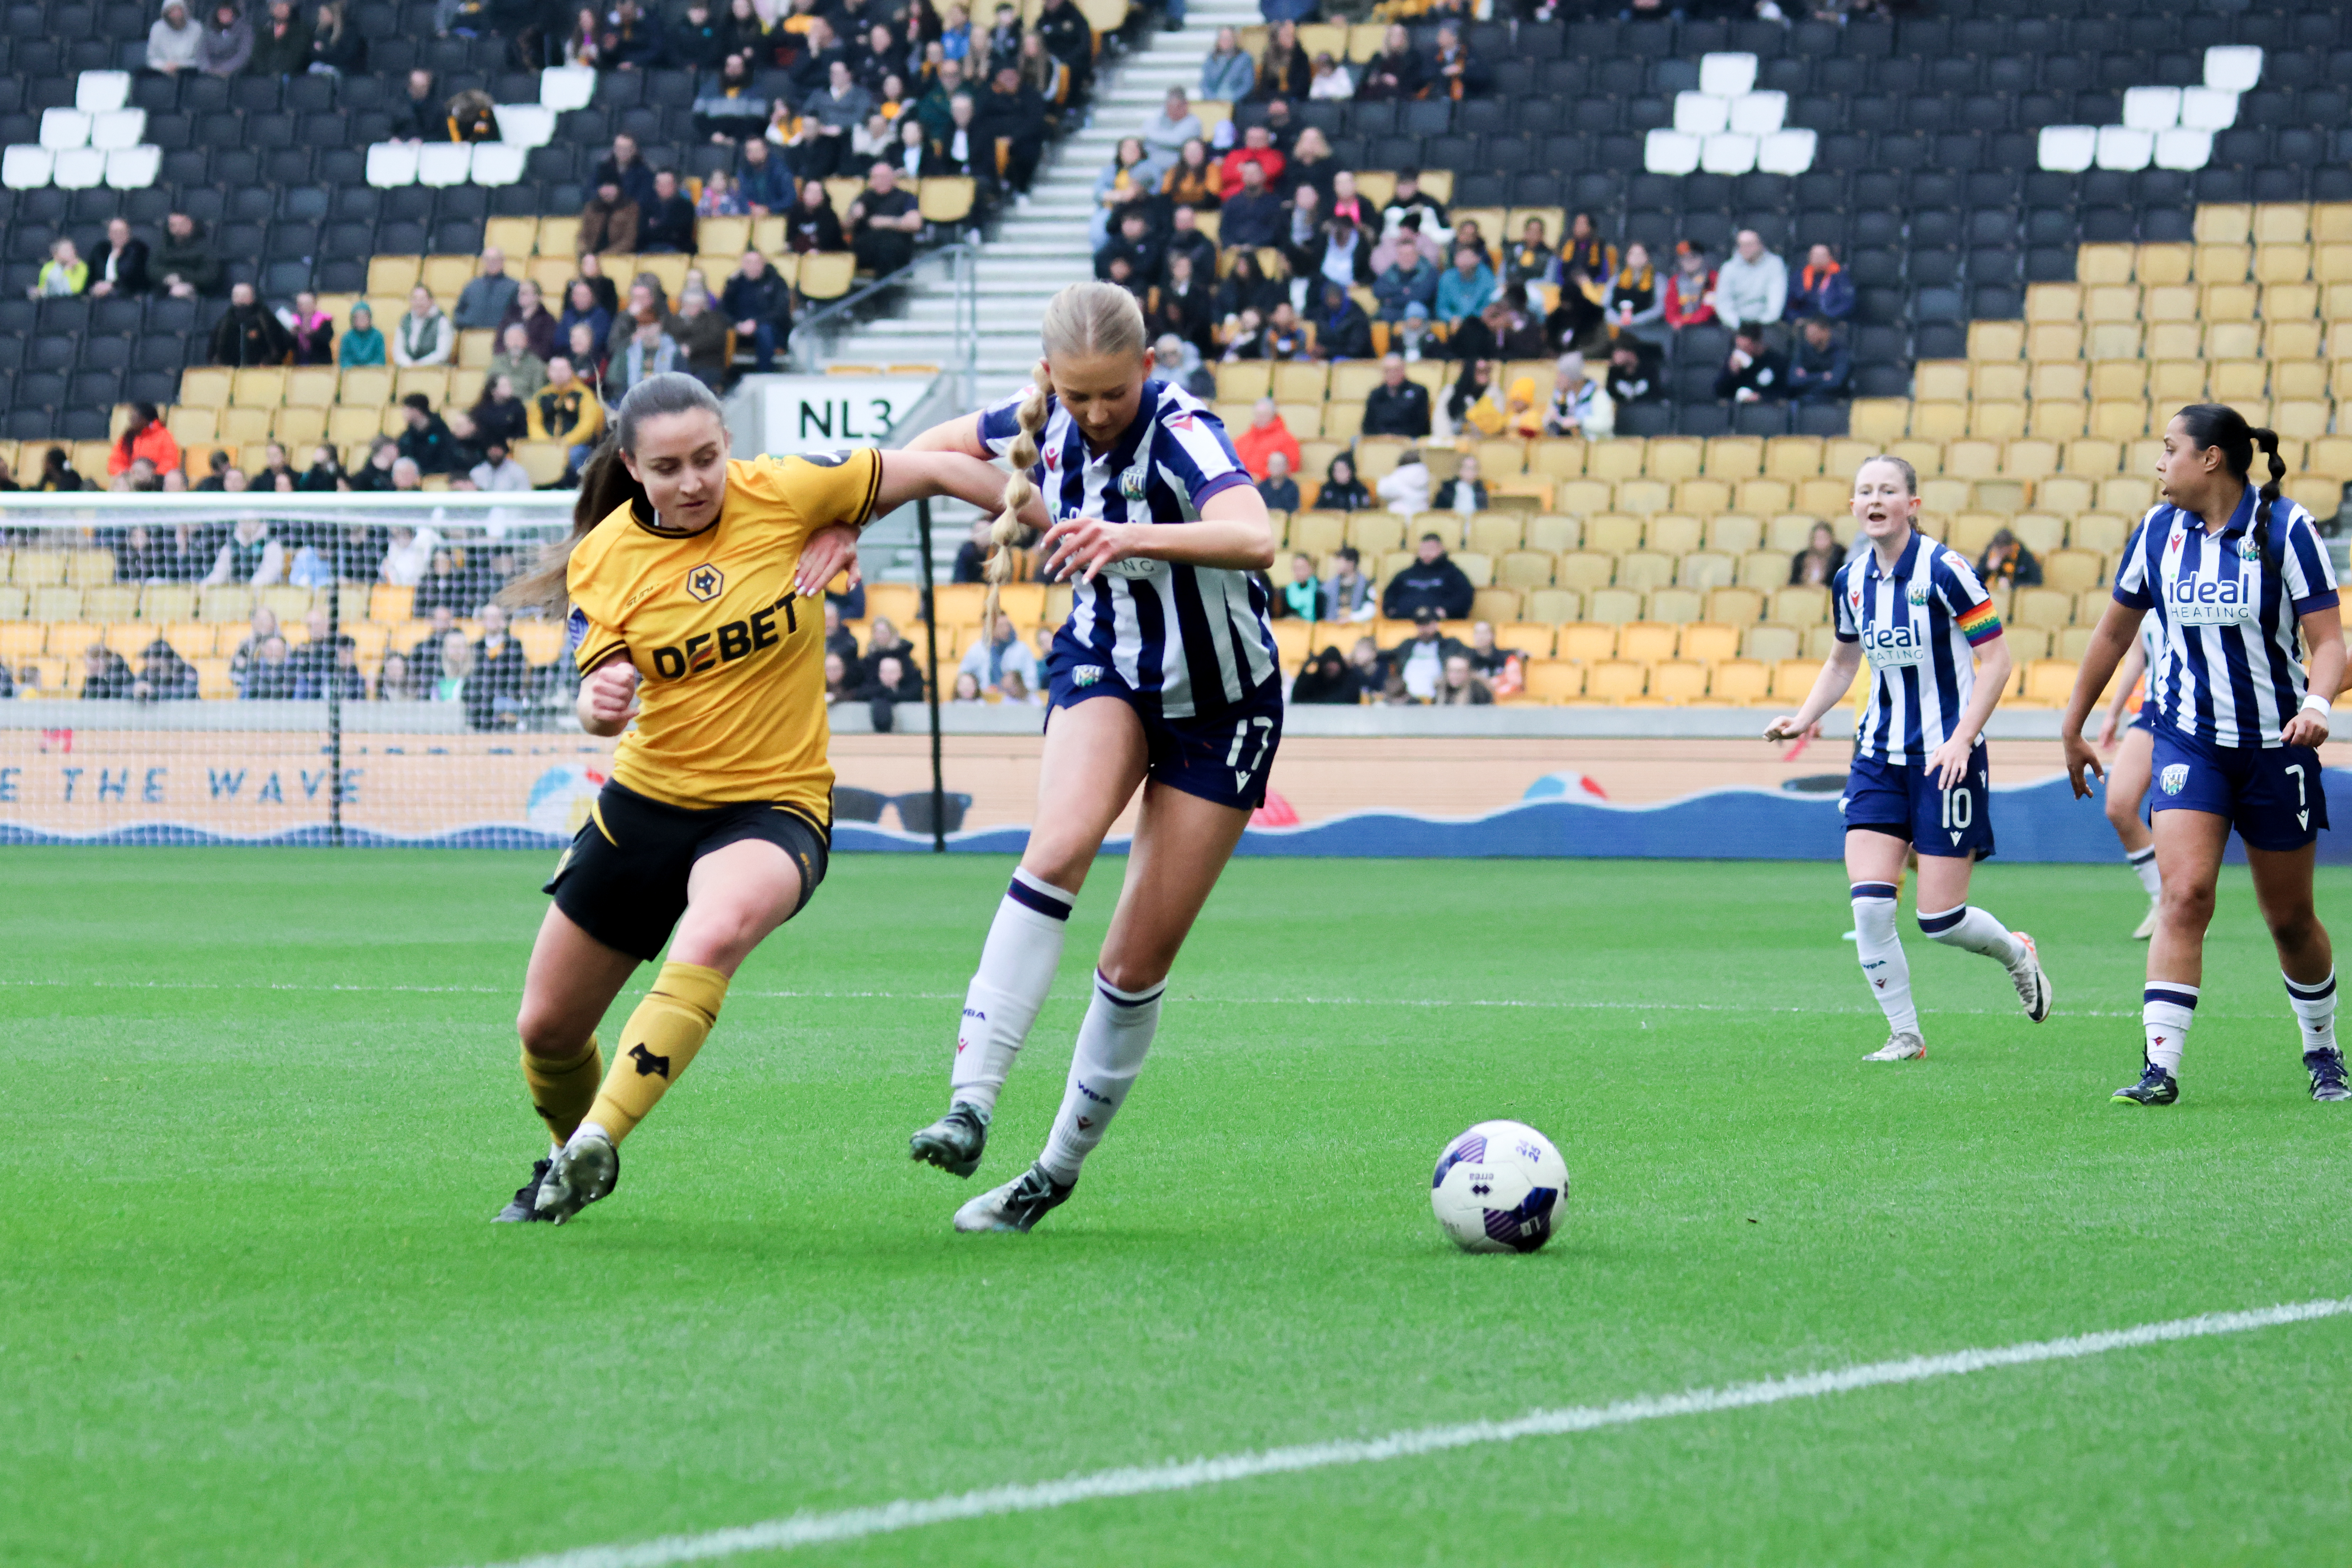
<point x="1019" y="491"/>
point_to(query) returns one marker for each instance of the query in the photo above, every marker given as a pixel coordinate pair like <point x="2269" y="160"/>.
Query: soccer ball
<point x="1499" y="1187"/>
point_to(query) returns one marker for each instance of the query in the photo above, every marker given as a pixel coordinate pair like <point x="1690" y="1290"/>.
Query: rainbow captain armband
<point x="1980" y="623"/>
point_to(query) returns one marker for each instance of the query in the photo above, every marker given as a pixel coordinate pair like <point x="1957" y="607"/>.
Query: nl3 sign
<point x="827" y="413"/>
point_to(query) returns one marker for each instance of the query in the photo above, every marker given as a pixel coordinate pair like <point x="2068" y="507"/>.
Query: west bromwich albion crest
<point x="2176" y="777"/>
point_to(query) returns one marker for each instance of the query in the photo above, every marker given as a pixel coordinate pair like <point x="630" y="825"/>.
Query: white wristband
<point x="2313" y="702"/>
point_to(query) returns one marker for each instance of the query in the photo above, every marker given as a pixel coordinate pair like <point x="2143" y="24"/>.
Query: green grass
<point x="251" y="1313"/>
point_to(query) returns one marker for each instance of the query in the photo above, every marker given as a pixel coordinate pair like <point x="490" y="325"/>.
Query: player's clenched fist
<point x="609" y="695"/>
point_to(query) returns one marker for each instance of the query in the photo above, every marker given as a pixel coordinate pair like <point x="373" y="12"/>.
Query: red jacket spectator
<point x="1259" y="150"/>
<point x="1266" y="434"/>
<point x="1689" y="303"/>
<point x="153" y="442"/>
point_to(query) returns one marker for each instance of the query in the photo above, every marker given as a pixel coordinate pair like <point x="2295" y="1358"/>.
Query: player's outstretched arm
<point x="1949" y="765"/>
<point x="911" y="474"/>
<point x="1829" y="687"/>
<point x="957" y="434"/>
<point x="1232" y="531"/>
<point x="2110" y="640"/>
<point x="2111" y="720"/>
<point x="2322" y="640"/>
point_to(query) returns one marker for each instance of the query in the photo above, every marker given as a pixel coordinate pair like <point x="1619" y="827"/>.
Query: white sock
<point x="2315" y="1009"/>
<point x="1880" y="952"/>
<point x="1972" y="929"/>
<point x="2167" y="1009"/>
<point x="1017" y="970"/>
<point x="1111" y="1045"/>
<point x="2143" y="861"/>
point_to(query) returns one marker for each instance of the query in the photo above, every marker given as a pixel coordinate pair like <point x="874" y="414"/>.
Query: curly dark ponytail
<point x="2218" y="425"/>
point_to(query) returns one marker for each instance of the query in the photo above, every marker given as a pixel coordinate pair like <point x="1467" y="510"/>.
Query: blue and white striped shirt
<point x="1195" y="639"/>
<point x="2232" y="668"/>
<point x="1919" y="625"/>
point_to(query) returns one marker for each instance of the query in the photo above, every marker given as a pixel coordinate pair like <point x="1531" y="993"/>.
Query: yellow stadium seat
<point x="1764" y="569"/>
<point x="1587" y="642"/>
<point x="1740" y="680"/>
<point x="1553" y="605"/>
<point x="1479" y="569"/>
<point x="1524" y="569"/>
<point x="1614" y="607"/>
<point x="1793" y="679"/>
<point x="1678" y="680"/>
<point x="23" y="639"/>
<point x="1737" y="533"/>
<point x="1319" y="533"/>
<point x="827" y="274"/>
<point x="1671" y="458"/>
<point x="1375" y="533"/>
<point x="1708" y="641"/>
<point x="1733" y="457"/>
<point x="1615" y="680"/>
<point x="1707" y="568"/>
<point x="1643" y="570"/>
<point x="1532" y="639"/>
<point x="1674" y="533"/>
<point x="1552" y="534"/>
<point x="1800" y="605"/>
<point x="1495" y="605"/>
<point x="1553" y="680"/>
<point x="1613" y="534"/>
<point x="2049" y="682"/>
<point x="1646" y="641"/>
<point x="1494" y="532"/>
<point x="1622" y="459"/>
<point x="1769" y="643"/>
<point x="2073" y="570"/>
<point x="2042" y="607"/>
<point x="1584" y="497"/>
<point x="1642" y="497"/>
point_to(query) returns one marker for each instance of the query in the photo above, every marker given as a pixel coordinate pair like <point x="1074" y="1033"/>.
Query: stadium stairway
<point x="1039" y="249"/>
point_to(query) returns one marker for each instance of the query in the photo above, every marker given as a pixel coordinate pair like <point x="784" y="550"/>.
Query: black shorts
<point x="622" y="880"/>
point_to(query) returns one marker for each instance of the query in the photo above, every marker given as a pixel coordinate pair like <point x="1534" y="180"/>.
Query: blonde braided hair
<point x="1083" y="320"/>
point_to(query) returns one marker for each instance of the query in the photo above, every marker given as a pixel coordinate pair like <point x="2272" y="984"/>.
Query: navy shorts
<point x="2271" y="795"/>
<point x="1224" y="759"/>
<point x="1902" y="801"/>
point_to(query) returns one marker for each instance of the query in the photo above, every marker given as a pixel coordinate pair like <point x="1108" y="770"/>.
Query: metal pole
<point x="931" y="684"/>
<point x="334" y="652"/>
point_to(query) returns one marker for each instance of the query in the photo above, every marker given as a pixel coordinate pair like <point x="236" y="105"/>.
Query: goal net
<point x="284" y="668"/>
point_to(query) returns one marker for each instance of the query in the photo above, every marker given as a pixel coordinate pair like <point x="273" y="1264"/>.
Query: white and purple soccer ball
<point x="1499" y="1187"/>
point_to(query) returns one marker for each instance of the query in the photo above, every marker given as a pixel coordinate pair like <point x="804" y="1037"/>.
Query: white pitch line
<point x="1583" y="1005"/>
<point x="888" y="1519"/>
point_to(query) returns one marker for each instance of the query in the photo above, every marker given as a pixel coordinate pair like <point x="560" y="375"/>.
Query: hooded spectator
<point x="2007" y="563"/>
<point x="1326" y="679"/>
<point x="362" y="343"/>
<point x="105" y="675"/>
<point x="228" y="43"/>
<point x="1348" y="592"/>
<point x="143" y="436"/>
<point x="175" y="42"/>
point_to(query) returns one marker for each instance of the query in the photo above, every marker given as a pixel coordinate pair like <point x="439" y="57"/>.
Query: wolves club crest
<point x="706" y="583"/>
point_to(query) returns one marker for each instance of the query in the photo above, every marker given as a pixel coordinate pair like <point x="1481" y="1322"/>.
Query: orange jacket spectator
<point x="1266" y="434"/>
<point x="1258" y="148"/>
<point x="154" y="443"/>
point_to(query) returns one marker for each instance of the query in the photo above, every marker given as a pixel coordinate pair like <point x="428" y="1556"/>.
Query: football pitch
<point x="263" y="1104"/>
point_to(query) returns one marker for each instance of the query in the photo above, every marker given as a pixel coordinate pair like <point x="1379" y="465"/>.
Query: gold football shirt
<point x="731" y="663"/>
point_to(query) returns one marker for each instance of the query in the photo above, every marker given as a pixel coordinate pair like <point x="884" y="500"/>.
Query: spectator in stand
<point x="884" y="221"/>
<point x="1311" y="168"/>
<point x="1461" y="686"/>
<point x="1689" y="298"/>
<point x="1503" y="330"/>
<point x="336" y="48"/>
<point x="228" y="44"/>
<point x="625" y="168"/>
<point x="1341" y="490"/>
<point x="1278" y="490"/>
<point x="282" y="45"/>
<point x="375" y="475"/>
<point x="650" y="351"/>
<point x="590" y="361"/>
<point x="1754" y="371"/>
<point x="760" y="305"/>
<point x="1465" y="288"/>
<point x="1122" y="184"/>
<point x="515" y="362"/>
<point x="990" y="659"/>
<point x="1337" y="251"/>
<point x="63" y="275"/>
<point x="1347" y="593"/>
<point x="837" y="685"/>
<point x="423" y="335"/>
<point x="933" y="107"/>
<point x="163" y="675"/>
<point x="815" y="227"/>
<point x="1422" y="659"/>
<point x="184" y="261"/>
<point x="1636" y="307"/>
<point x="121" y="268"/>
<point x="1014" y="113"/>
<point x="1452" y="73"/>
<point x="175" y="42"/>
<point x="144" y="436"/>
<point x="251" y="555"/>
<point x="406" y="476"/>
<point x="887" y="646"/>
<point x="500" y="415"/>
<point x="1301" y="598"/>
<point x="1579" y="321"/>
<point x="1410" y="207"/>
<point x="609" y="222"/>
<point x="1258" y="147"/>
<point x="325" y="476"/>
<point x="833" y="111"/>
<point x="2007" y="563"/>
<point x="1485" y="658"/>
<point x="426" y="441"/>
<point x="1822" y="288"/>
<point x="1822" y="371"/>
<point x="1532" y="259"/>
<point x="702" y="334"/>
<point x="667" y="226"/>
<point x="1253" y="214"/>
<point x="483" y="303"/>
<point x="1284" y="338"/>
<point x="1397" y="71"/>
<point x="1579" y="407"/>
<point x="1817" y="564"/>
<point x="1407" y="293"/>
<point x="633" y="40"/>
<point x="361" y="343"/>
<point x="1584" y="248"/>
<point x="1406" y="487"/>
<point x="498" y="688"/>
<point x="1165" y="134"/>
<point x="248" y="334"/>
<point x="727" y="112"/>
<point x="264" y="626"/>
<point x="273" y="467"/>
<point x="310" y="330"/>
<point x="1183" y="306"/>
<point x="1634" y="372"/>
<point x="1465" y="492"/>
<point x="568" y="411"/>
<point x="1330" y="81"/>
<point x="1133" y="256"/>
<point x="1247" y="288"/>
<point x="1343" y="330"/>
<point x="581" y="307"/>
<point x="1752" y="288"/>
<point x="1227" y="74"/>
<point x="764" y="181"/>
<point x="1283" y="70"/>
<point x="1325" y="679"/>
<point x="839" y="639"/>
<point x="269" y="678"/>
<point x="972" y="555"/>
<point x="1068" y="38"/>
<point x="1266" y="434"/>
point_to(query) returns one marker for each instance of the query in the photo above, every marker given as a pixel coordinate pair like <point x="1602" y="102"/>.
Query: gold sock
<point x="562" y="1091"/>
<point x="656" y="1043"/>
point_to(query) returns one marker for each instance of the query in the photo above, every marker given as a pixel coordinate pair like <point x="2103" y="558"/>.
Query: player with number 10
<point x="1919" y="777"/>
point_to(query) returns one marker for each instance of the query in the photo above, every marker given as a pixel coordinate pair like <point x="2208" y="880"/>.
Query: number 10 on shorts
<point x="1959" y="810"/>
